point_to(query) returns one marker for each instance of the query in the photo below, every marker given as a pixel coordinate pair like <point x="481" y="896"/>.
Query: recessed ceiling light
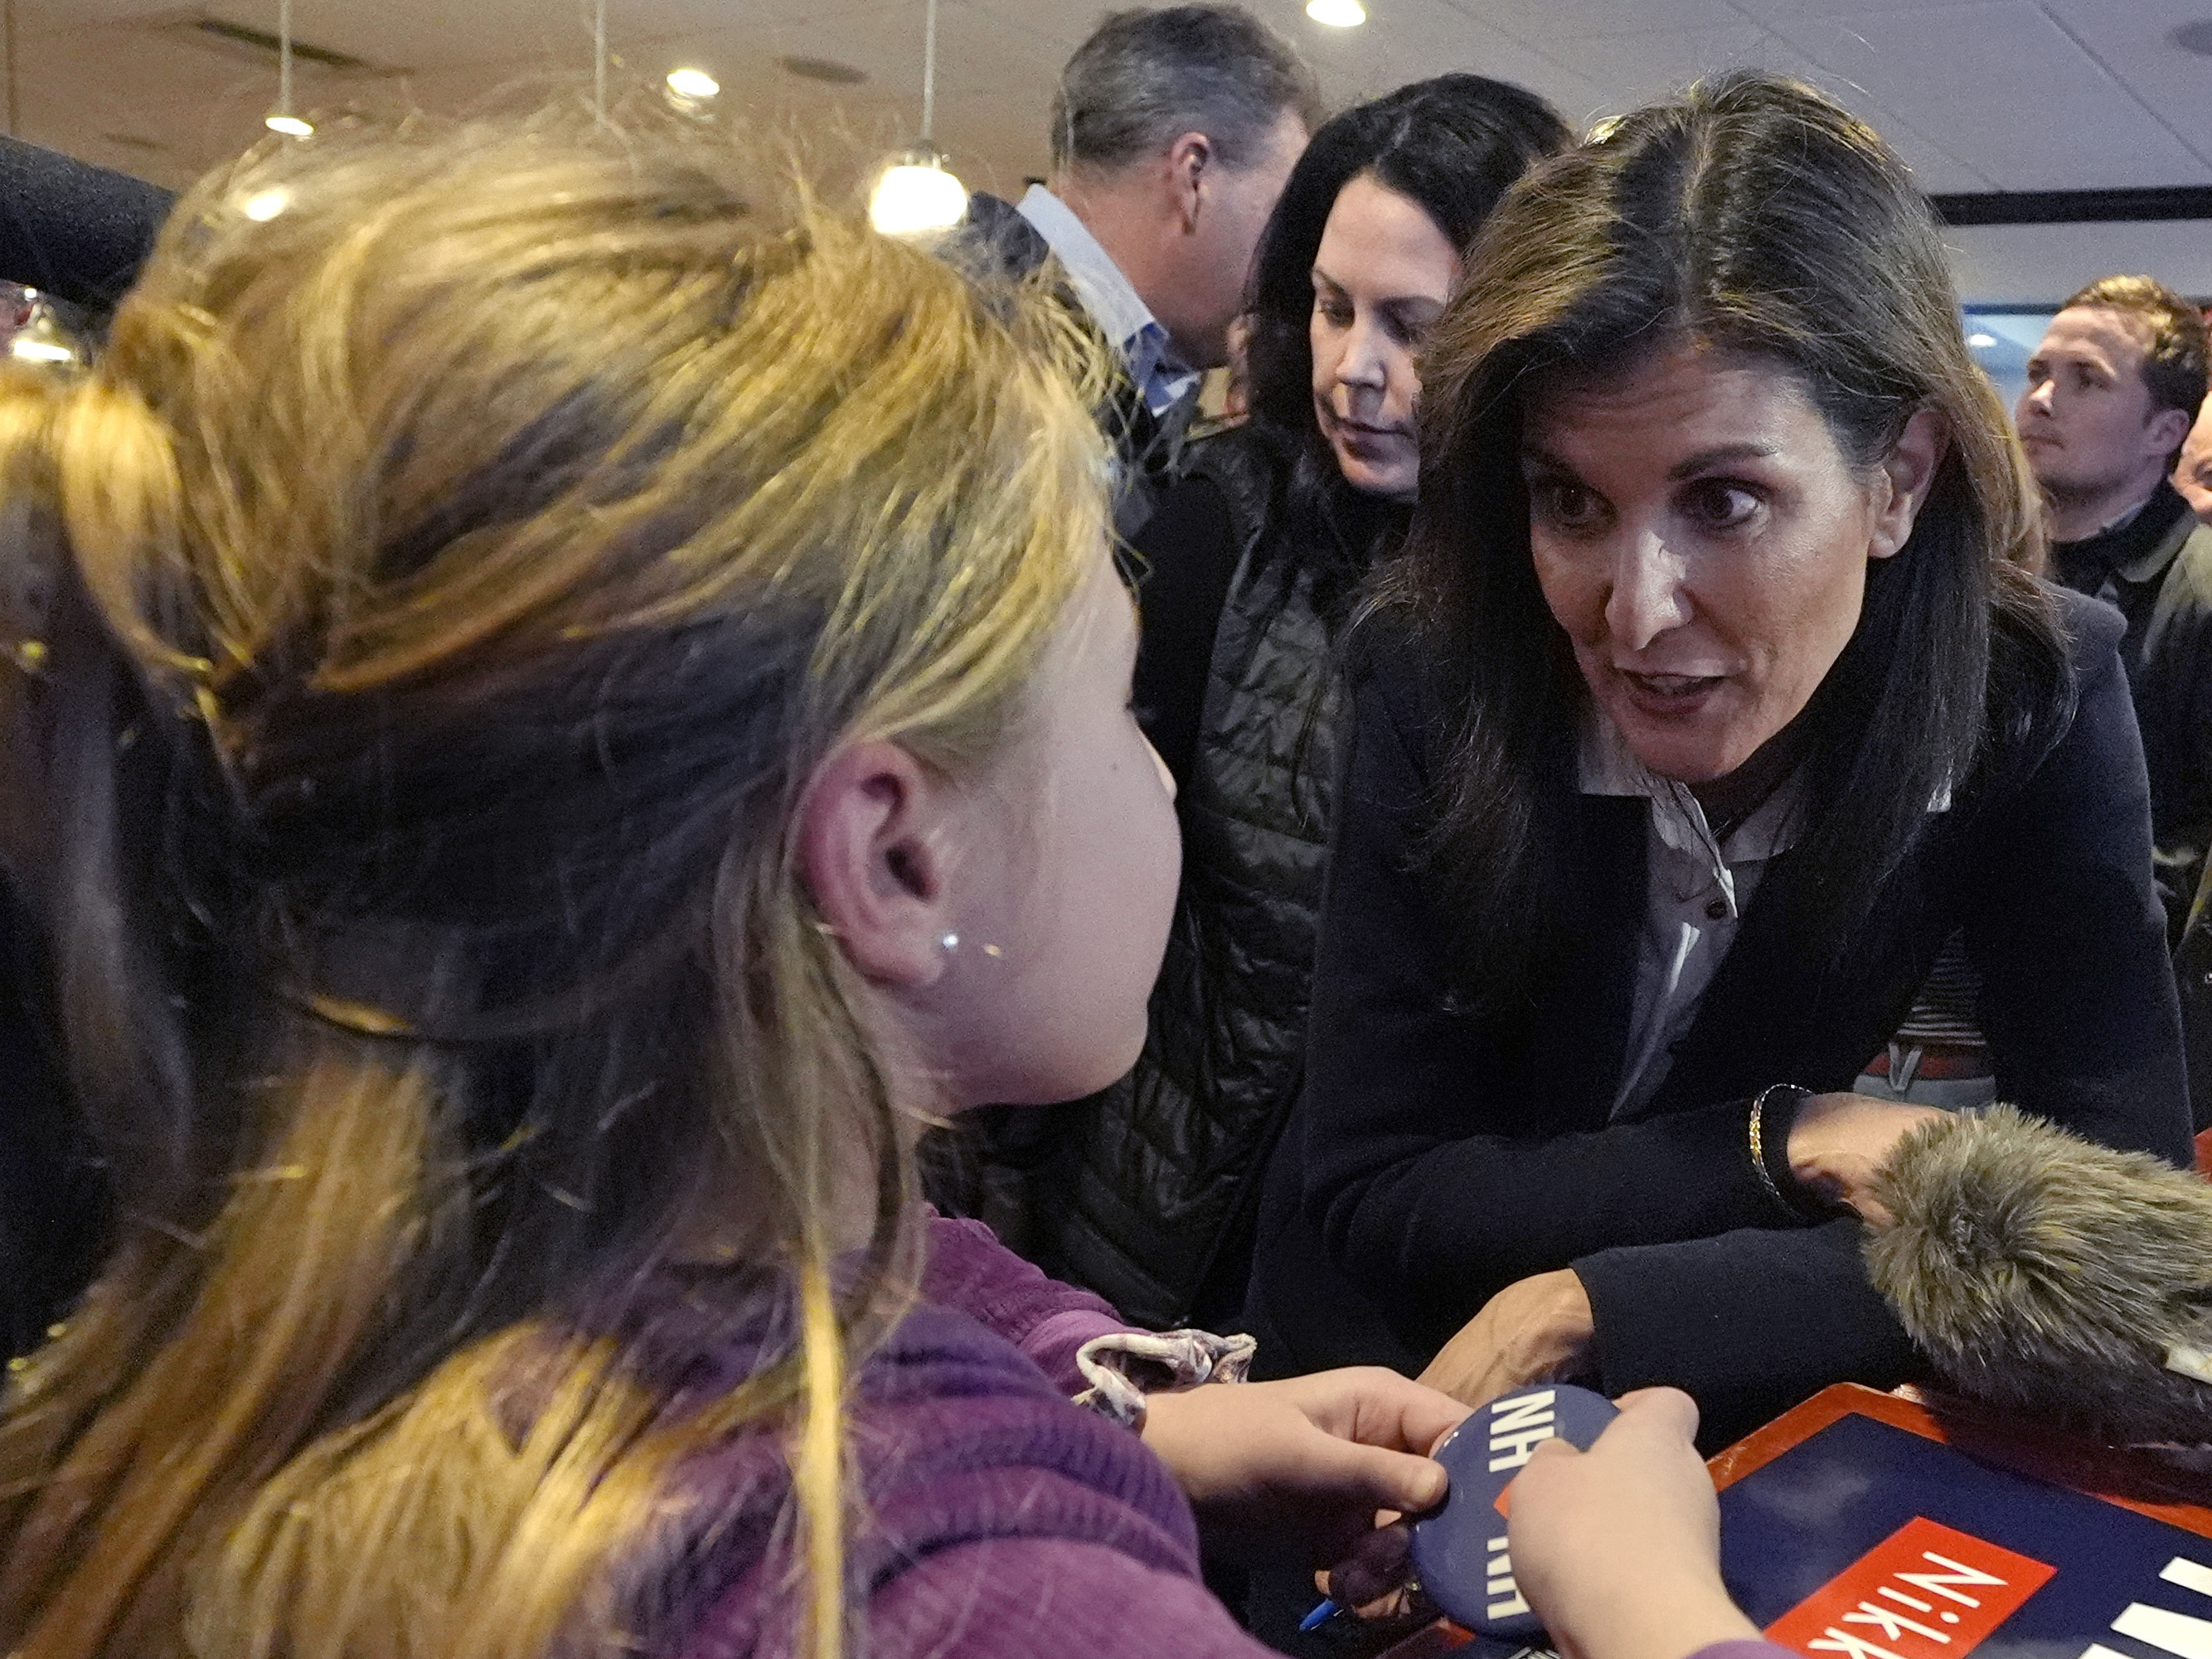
<point x="2194" y="37"/>
<point x="1337" y="14"/>
<point x="823" y="68"/>
<point x="693" y="83"/>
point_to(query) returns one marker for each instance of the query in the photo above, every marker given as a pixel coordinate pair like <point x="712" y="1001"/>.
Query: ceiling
<point x="1991" y="95"/>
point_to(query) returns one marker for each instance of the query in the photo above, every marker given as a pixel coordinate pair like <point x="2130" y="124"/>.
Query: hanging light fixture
<point x="599" y="59"/>
<point x="692" y="91"/>
<point x="282" y="120"/>
<point x="917" y="193"/>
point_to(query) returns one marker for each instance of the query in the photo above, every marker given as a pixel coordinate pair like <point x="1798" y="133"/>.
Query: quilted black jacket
<point x="1148" y="1192"/>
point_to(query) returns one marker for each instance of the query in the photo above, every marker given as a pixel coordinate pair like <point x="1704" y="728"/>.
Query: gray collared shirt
<point x="1696" y="890"/>
<point x="1118" y="309"/>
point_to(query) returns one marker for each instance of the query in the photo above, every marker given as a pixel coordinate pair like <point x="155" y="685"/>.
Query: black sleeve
<point x="1749" y="1322"/>
<point x="2078" y="995"/>
<point x="2192" y="969"/>
<point x="1433" y="1182"/>
<point x="1188" y="553"/>
<point x="78" y="231"/>
<point x="2178" y="753"/>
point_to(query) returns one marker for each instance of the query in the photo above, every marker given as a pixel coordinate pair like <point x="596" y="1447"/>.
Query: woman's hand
<point x="1298" y="1469"/>
<point x="1536" y="1330"/>
<point x="1618" y="1548"/>
<point x="1840" y="1140"/>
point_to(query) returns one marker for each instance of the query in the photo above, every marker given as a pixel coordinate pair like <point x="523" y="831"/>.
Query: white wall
<point x="2030" y="265"/>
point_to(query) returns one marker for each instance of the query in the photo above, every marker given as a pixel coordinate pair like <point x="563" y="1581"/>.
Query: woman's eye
<point x="1718" y="505"/>
<point x="1567" y="505"/>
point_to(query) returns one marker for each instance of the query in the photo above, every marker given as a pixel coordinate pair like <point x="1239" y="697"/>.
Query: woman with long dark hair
<point x="1709" y="698"/>
<point x="1251" y="566"/>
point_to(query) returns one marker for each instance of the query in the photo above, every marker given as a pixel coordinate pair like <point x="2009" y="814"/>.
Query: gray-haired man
<point x="1172" y="133"/>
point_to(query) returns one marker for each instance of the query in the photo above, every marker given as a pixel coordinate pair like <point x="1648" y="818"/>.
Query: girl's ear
<point x="873" y="833"/>
<point x="1909" y="471"/>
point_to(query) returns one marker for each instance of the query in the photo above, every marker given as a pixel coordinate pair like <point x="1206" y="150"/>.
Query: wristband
<point x="1122" y="1367"/>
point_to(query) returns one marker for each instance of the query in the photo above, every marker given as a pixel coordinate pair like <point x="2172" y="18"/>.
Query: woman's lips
<point x="1670" y="695"/>
<point x="1360" y="433"/>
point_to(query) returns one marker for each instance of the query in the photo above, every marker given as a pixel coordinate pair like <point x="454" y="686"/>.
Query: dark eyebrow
<point x="1399" y="305"/>
<point x="1720" y="456"/>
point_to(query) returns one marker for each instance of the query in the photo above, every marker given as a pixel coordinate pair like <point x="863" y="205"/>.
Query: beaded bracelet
<point x="1759" y="1141"/>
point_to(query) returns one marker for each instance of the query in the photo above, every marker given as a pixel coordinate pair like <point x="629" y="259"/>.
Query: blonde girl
<point x="558" y="707"/>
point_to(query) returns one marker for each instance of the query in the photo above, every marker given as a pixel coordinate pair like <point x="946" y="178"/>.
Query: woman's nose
<point x="1648" y="598"/>
<point x="1361" y="365"/>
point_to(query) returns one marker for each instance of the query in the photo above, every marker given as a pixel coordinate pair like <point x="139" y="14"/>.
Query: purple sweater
<point x="1002" y="1523"/>
<point x="1000" y="1519"/>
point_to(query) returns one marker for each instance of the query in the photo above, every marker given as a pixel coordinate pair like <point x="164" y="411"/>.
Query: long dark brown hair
<point x="1452" y="145"/>
<point x="1755" y="216"/>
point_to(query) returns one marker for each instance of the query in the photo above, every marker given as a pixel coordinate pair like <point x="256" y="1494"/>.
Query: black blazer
<point x="77" y="231"/>
<point x="1434" y="1160"/>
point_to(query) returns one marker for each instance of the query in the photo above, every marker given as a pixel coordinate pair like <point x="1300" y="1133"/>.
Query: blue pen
<point x="1320" y="1616"/>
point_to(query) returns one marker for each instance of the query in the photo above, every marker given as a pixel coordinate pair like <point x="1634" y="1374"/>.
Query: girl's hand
<point x="1618" y="1548"/>
<point x="1298" y="1469"/>
<point x="1537" y="1330"/>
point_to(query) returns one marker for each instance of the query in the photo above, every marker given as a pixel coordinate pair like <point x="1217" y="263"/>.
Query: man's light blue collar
<point x="1118" y="309"/>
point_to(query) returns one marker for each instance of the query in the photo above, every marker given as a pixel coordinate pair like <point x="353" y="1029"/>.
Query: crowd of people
<point x="707" y="913"/>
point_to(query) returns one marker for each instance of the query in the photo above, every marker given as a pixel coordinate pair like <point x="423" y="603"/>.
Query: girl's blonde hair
<point x="427" y="617"/>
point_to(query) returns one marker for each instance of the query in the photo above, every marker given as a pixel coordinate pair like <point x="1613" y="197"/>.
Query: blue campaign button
<point x="1459" y="1547"/>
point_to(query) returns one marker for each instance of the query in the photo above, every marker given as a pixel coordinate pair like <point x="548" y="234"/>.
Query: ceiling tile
<point x="1934" y="168"/>
<point x="128" y="97"/>
<point x="1408" y="40"/>
<point x="1561" y="23"/>
<point x="2133" y="42"/>
<point x="1775" y="10"/>
<point x="2044" y="264"/>
<point x="1641" y="69"/>
<point x="36" y="17"/>
<point x="994" y="141"/>
<point x="1975" y="93"/>
<point x="2004" y="90"/>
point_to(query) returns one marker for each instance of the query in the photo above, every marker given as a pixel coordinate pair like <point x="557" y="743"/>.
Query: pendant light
<point x="918" y="194"/>
<point x="282" y="120"/>
<point x="599" y="59"/>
